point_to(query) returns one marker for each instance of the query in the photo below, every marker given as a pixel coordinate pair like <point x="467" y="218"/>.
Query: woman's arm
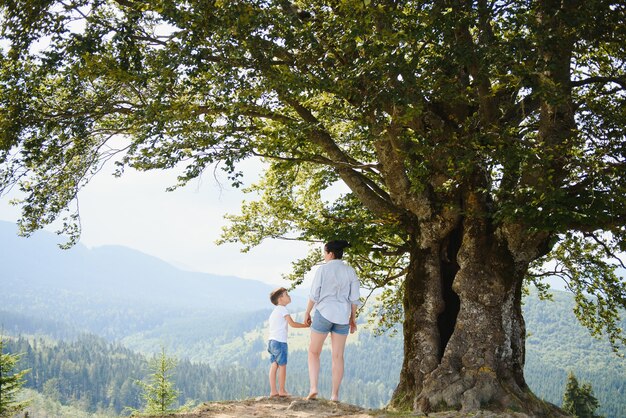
<point x="307" y="314"/>
<point x="353" y="319"/>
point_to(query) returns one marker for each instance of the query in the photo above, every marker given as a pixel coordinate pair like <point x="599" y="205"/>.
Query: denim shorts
<point x="278" y="352"/>
<point x="322" y="325"/>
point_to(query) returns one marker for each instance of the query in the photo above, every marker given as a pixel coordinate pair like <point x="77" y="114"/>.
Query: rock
<point x="301" y="405"/>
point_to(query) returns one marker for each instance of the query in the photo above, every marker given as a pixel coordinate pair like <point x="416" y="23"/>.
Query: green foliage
<point x="587" y="265"/>
<point x="11" y="382"/>
<point x="159" y="393"/>
<point x="87" y="373"/>
<point x="417" y="107"/>
<point x="43" y="406"/>
<point x="578" y="400"/>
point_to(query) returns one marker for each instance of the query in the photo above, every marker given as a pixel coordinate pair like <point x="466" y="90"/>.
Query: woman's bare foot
<point x="274" y="395"/>
<point x="284" y="394"/>
<point x="311" y="396"/>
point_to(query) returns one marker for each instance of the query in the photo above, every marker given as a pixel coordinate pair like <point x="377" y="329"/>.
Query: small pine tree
<point x="579" y="401"/>
<point x="159" y="393"/>
<point x="10" y="383"/>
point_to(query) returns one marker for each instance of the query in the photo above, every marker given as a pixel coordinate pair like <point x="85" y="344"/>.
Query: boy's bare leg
<point x="273" y="368"/>
<point x="338" y="346"/>
<point x="282" y="380"/>
<point x="315" y="350"/>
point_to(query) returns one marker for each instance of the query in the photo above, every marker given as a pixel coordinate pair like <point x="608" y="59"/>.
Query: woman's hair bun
<point x="343" y="243"/>
<point x="336" y="247"/>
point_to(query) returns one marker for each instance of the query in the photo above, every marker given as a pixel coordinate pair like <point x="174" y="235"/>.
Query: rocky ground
<point x="294" y="407"/>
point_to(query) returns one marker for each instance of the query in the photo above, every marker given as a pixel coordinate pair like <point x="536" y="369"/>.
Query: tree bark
<point x="464" y="333"/>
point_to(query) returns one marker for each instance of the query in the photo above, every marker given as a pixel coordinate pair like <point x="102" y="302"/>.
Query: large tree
<point x="478" y="142"/>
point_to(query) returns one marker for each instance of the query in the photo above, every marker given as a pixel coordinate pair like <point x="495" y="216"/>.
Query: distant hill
<point x="123" y="290"/>
<point x="120" y="273"/>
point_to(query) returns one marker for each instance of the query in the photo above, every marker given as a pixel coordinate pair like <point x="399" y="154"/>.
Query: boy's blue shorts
<point x="322" y="325"/>
<point x="278" y="352"/>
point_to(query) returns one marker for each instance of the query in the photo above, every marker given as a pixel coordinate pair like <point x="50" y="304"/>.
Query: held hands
<point x="307" y="319"/>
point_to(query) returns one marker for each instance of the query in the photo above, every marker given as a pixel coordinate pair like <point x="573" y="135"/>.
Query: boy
<point x="277" y="346"/>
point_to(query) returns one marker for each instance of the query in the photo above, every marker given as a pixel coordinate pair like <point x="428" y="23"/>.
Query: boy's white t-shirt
<point x="278" y="324"/>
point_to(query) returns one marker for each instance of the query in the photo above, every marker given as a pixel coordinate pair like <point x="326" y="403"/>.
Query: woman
<point x="335" y="295"/>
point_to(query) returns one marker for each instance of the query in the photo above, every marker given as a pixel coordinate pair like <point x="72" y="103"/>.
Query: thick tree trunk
<point x="464" y="332"/>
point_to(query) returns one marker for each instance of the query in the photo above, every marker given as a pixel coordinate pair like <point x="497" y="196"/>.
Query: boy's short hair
<point x="276" y="294"/>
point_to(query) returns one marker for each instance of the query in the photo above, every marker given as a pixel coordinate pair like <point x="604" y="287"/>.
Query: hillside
<point x="557" y="344"/>
<point x="139" y="303"/>
<point x="239" y="364"/>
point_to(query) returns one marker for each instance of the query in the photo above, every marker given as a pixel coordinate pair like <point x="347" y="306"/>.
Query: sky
<point x="180" y="227"/>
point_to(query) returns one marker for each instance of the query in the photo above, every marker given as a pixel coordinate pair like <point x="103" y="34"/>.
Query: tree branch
<point x="521" y="110"/>
<point x="254" y="113"/>
<point x="399" y="184"/>
<point x="599" y="79"/>
<point x="357" y="182"/>
<point x="607" y="250"/>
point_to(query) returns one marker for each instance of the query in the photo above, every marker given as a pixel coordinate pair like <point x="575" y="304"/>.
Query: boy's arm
<point x="293" y="323"/>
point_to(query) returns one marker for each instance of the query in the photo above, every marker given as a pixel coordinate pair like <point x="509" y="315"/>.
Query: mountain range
<point x="118" y="273"/>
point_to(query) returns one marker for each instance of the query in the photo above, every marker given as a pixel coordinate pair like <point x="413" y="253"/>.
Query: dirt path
<point x="276" y="407"/>
<point x="264" y="407"/>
